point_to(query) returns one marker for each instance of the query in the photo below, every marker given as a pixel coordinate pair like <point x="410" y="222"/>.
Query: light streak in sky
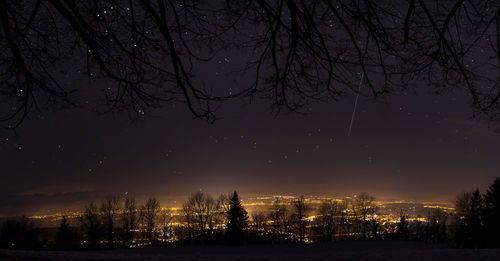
<point x="355" y="104"/>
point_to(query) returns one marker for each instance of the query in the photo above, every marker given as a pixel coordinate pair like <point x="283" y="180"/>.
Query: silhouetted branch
<point x="146" y="54"/>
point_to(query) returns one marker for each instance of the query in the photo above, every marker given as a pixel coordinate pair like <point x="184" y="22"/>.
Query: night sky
<point x="415" y="146"/>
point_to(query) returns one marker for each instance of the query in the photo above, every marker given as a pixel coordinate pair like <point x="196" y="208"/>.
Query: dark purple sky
<point x="416" y="147"/>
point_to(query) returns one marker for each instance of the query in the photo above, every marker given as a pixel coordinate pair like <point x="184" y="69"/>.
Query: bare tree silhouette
<point x="146" y="53"/>
<point x="329" y="214"/>
<point x="20" y="233"/>
<point x="300" y="211"/>
<point x="436" y="231"/>
<point x="364" y="206"/>
<point x="188" y="215"/>
<point x="109" y="208"/>
<point x="149" y="213"/>
<point x="130" y="220"/>
<point x="258" y="224"/>
<point x="166" y="218"/>
<point x="201" y="211"/>
<point x="279" y="216"/>
<point x="91" y="224"/>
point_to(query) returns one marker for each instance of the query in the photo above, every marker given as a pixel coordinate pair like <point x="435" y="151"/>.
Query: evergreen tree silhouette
<point x="470" y="207"/>
<point x="402" y="227"/>
<point x="64" y="236"/>
<point x="492" y="214"/>
<point x="237" y="220"/>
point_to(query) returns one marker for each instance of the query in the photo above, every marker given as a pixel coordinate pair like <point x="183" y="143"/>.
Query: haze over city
<point x="416" y="147"/>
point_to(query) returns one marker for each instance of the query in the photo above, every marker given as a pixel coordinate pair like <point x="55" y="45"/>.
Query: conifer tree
<point x="64" y="236"/>
<point x="402" y="229"/>
<point x="492" y="213"/>
<point x="237" y="220"/>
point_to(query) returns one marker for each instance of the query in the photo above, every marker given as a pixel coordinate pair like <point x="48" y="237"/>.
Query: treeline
<point x="202" y="219"/>
<point x="478" y="217"/>
<point x="474" y="223"/>
<point x="121" y="222"/>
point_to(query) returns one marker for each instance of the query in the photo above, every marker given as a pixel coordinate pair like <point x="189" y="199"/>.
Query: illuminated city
<point x="389" y="212"/>
<point x="387" y="216"/>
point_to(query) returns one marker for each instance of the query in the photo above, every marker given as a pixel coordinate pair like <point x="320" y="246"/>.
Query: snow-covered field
<point x="348" y="250"/>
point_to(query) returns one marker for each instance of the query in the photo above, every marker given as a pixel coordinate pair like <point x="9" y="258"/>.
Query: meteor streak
<point x="355" y="104"/>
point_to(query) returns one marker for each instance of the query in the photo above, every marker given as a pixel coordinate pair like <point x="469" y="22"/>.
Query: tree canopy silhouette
<point x="237" y="220"/>
<point x="64" y="236"/>
<point x="492" y="213"/>
<point x="146" y="54"/>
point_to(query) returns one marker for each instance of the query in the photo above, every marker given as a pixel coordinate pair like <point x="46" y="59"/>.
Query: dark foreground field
<point x="348" y="250"/>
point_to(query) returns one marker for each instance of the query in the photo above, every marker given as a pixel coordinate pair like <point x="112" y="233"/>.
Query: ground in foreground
<point x="347" y="250"/>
